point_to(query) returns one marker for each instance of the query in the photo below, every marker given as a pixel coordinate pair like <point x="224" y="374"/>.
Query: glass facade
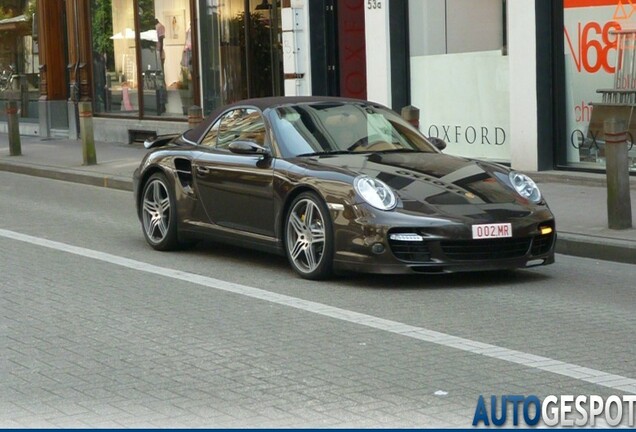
<point x="142" y="57"/>
<point x="144" y="63"/>
<point x="600" y="76"/>
<point x="460" y="75"/>
<point x="241" y="53"/>
<point x="19" y="62"/>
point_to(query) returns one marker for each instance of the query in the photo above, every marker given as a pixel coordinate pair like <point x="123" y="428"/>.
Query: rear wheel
<point x="309" y="237"/>
<point x="158" y="213"/>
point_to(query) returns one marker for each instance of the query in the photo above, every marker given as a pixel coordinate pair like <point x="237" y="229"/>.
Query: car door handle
<point x="203" y="171"/>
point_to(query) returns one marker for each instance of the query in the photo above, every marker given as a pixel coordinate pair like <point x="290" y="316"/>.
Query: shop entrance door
<point x="240" y="51"/>
<point x="338" y="48"/>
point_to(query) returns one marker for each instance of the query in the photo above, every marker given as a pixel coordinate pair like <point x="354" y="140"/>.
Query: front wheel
<point x="309" y="237"/>
<point x="158" y="213"/>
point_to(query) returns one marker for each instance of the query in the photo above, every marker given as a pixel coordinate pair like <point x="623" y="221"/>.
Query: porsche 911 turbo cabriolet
<point x="338" y="185"/>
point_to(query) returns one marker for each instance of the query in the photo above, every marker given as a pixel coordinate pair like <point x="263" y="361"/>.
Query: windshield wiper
<point x="322" y="153"/>
<point x="336" y="152"/>
<point x="399" y="150"/>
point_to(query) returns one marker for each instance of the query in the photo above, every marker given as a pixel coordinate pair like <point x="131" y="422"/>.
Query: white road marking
<point x="592" y="376"/>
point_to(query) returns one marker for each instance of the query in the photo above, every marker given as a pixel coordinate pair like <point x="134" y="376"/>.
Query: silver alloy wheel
<point x="156" y="211"/>
<point x="306" y="235"/>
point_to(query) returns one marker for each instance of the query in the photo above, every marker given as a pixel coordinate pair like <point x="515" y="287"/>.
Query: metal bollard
<point x="86" y="133"/>
<point x="412" y="115"/>
<point x="195" y="116"/>
<point x="619" y="206"/>
<point x="15" y="147"/>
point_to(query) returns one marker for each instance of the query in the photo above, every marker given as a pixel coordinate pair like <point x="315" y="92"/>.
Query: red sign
<point x="591" y="46"/>
<point x="352" y="49"/>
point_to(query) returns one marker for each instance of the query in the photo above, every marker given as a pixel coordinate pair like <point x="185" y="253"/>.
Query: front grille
<point x="542" y="244"/>
<point x="411" y="251"/>
<point x="489" y="249"/>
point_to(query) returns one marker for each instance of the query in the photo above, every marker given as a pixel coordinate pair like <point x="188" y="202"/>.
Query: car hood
<point x="435" y="183"/>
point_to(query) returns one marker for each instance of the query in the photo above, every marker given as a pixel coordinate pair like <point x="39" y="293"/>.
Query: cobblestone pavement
<point x="115" y="348"/>
<point x="103" y="339"/>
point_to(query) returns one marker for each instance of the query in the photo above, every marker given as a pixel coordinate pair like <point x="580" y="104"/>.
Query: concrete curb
<point x="600" y="248"/>
<point x="574" y="178"/>
<point x="88" y="178"/>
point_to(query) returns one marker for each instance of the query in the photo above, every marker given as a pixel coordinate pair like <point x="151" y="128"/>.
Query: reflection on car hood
<point x="431" y="182"/>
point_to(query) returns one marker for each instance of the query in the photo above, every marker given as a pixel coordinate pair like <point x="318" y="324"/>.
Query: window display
<point x="160" y="84"/>
<point x="19" y="63"/>
<point x="600" y="84"/>
<point x="234" y="66"/>
<point x="144" y="55"/>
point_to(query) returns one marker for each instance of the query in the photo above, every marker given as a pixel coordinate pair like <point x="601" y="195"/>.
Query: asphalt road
<point x="99" y="330"/>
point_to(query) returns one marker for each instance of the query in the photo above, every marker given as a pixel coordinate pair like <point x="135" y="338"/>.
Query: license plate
<point x="486" y="231"/>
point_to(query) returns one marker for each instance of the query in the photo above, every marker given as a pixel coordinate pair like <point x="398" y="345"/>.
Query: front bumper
<point x="365" y="244"/>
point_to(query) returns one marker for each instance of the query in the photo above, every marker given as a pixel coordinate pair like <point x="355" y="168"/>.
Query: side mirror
<point x="439" y="143"/>
<point x="248" y="148"/>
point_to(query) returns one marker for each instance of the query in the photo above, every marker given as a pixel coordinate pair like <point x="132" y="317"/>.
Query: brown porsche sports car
<point x="338" y="185"/>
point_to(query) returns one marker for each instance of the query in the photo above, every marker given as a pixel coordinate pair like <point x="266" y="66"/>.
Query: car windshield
<point x="344" y="127"/>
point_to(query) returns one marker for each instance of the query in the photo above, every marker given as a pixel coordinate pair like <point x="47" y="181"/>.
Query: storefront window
<point x="599" y="85"/>
<point x="19" y="65"/>
<point x="460" y="75"/>
<point x="234" y="66"/>
<point x="160" y="83"/>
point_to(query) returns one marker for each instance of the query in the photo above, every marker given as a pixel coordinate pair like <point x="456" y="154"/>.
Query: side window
<point x="209" y="140"/>
<point x="241" y="124"/>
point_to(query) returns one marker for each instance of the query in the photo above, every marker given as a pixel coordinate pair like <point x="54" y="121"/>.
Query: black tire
<point x="159" y="213"/>
<point x="309" y="244"/>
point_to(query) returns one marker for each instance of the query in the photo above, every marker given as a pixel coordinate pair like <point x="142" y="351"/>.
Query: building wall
<point x="378" y="56"/>
<point x="296" y="49"/>
<point x="473" y="76"/>
<point x="117" y="130"/>
<point x="459" y="67"/>
<point x="523" y="84"/>
<point x="460" y="77"/>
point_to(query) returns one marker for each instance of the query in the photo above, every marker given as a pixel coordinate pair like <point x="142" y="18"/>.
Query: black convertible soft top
<point x="262" y="104"/>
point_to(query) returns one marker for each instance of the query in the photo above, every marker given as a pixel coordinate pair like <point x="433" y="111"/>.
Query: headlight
<point x="525" y="186"/>
<point x="375" y="192"/>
